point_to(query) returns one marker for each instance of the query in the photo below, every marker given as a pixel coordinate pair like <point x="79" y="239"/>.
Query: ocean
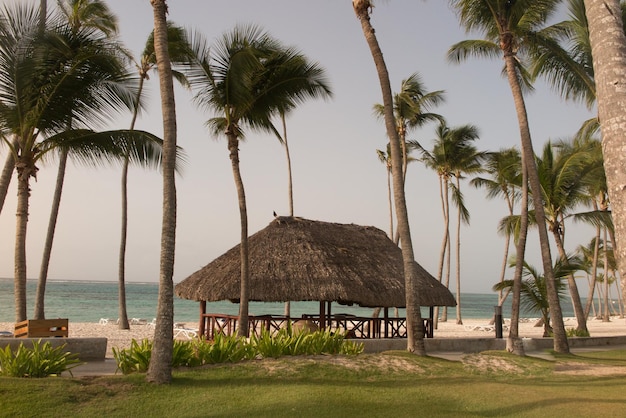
<point x="87" y="301"/>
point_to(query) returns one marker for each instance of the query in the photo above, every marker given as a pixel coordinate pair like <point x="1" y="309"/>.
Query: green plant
<point x="41" y="360"/>
<point x="136" y="358"/>
<point x="351" y="348"/>
<point x="271" y="346"/>
<point x="184" y="354"/>
<point x="573" y="332"/>
<point x="224" y="349"/>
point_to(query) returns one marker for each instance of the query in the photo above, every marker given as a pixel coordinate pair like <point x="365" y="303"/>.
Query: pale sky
<point x="337" y="174"/>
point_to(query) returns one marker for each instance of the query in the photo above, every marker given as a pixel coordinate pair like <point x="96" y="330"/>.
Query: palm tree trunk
<point x="560" y="338"/>
<point x="594" y="273"/>
<point x="573" y="287"/>
<point x="289" y="173"/>
<point x="514" y="343"/>
<point x="121" y="268"/>
<point x="390" y="201"/>
<point x="287" y="310"/>
<point x="5" y="177"/>
<point x="47" y="250"/>
<point x="459" y="320"/>
<point x="121" y="279"/>
<point x="608" y="46"/>
<point x="23" y="195"/>
<point x="448" y="248"/>
<point x="233" y="148"/>
<point x="160" y="368"/>
<point x="606" y="317"/>
<point x="415" y="326"/>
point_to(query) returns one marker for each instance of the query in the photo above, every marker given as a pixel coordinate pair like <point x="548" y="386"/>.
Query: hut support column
<point x="202" y="324"/>
<point x="322" y="315"/>
<point x="386" y="313"/>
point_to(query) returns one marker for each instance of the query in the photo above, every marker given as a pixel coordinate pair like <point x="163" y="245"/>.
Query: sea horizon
<point x="89" y="301"/>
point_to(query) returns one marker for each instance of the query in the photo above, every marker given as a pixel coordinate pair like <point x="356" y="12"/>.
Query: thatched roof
<point x="295" y="259"/>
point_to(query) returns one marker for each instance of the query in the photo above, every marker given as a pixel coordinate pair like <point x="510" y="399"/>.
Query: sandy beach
<point x="471" y="328"/>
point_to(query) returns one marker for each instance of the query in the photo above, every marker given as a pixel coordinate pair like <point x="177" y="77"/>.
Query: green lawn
<point x="394" y="384"/>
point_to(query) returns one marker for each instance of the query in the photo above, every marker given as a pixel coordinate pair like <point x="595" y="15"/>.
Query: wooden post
<point x="202" y="324"/>
<point x="322" y="315"/>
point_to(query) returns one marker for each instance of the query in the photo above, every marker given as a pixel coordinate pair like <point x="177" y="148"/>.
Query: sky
<point x="337" y="174"/>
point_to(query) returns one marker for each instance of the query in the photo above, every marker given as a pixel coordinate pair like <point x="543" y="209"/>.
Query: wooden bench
<point x="41" y="328"/>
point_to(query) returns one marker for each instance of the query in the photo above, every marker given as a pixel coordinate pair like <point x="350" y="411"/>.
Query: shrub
<point x="136" y="358"/>
<point x="41" y="360"/>
<point x="224" y="349"/>
<point x="184" y="354"/>
<point x="573" y="332"/>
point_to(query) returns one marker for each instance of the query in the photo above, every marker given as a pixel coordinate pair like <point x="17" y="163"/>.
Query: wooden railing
<point x="352" y="326"/>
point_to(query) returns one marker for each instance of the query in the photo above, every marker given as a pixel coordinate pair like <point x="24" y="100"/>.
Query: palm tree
<point x="510" y="28"/>
<point x="451" y="157"/>
<point x="45" y="79"/>
<point x="94" y="17"/>
<point x="385" y="158"/>
<point x="504" y="170"/>
<point x="608" y="47"/>
<point x="415" y="326"/>
<point x="534" y="295"/>
<point x="180" y="52"/>
<point x="160" y="368"/>
<point x="313" y="84"/>
<point x="247" y="79"/>
<point x="411" y="109"/>
<point x="563" y="180"/>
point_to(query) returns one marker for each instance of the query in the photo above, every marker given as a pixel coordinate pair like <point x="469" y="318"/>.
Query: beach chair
<point x="181" y="331"/>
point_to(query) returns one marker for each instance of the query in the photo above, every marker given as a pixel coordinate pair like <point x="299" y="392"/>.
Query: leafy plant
<point x="224" y="349"/>
<point x="184" y="354"/>
<point x="41" y="360"/>
<point x="574" y="332"/>
<point x="136" y="358"/>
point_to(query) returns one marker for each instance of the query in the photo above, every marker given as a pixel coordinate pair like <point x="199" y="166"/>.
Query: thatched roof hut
<point x="295" y="259"/>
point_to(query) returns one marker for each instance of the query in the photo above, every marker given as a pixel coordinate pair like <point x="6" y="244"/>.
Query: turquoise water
<point x="85" y="301"/>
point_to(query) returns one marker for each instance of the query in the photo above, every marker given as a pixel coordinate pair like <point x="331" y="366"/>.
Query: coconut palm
<point x="415" y="326"/>
<point x="385" y="158"/>
<point x="452" y="157"/>
<point x="45" y="84"/>
<point x="566" y="61"/>
<point x="510" y="29"/>
<point x="245" y="80"/>
<point x="94" y="17"/>
<point x="180" y="52"/>
<point x="534" y="294"/>
<point x="313" y="84"/>
<point x="608" y="48"/>
<point x="411" y="107"/>
<point x="504" y="170"/>
<point x="160" y="368"/>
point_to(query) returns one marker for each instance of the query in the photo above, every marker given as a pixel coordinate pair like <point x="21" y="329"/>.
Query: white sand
<point x="122" y="338"/>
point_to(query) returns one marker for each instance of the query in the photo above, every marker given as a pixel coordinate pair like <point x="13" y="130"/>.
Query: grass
<point x="389" y="384"/>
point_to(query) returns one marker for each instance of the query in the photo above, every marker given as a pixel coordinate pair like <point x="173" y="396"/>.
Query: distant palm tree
<point x="385" y="158"/>
<point x="534" y="288"/>
<point x="312" y="84"/>
<point x="504" y="169"/>
<point x="452" y="156"/>
<point x="415" y="326"/>
<point x="180" y="52"/>
<point x="160" y="368"/>
<point x="510" y="29"/>
<point x="411" y="107"/>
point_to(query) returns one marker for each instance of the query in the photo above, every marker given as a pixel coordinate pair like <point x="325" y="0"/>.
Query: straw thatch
<point x="295" y="259"/>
